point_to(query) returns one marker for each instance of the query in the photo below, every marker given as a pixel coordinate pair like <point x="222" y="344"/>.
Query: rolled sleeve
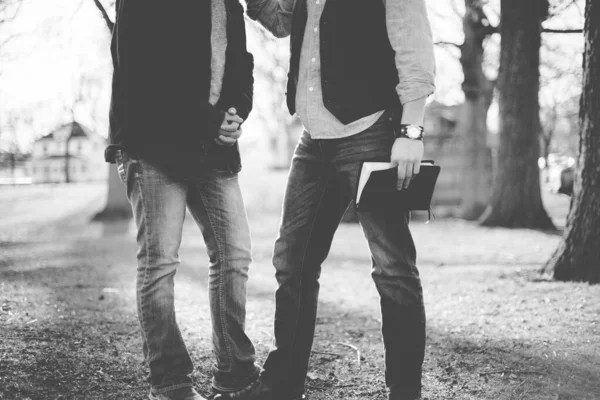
<point x="409" y="31"/>
<point x="274" y="15"/>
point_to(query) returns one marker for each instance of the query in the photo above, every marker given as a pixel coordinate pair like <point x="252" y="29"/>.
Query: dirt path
<point x="68" y="328"/>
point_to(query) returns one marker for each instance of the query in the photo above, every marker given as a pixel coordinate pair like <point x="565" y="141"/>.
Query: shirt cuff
<point x="414" y="91"/>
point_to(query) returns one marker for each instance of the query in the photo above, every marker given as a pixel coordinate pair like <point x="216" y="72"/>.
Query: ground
<point x="497" y="329"/>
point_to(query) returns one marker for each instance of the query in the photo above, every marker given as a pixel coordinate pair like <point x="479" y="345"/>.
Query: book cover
<point x="377" y="187"/>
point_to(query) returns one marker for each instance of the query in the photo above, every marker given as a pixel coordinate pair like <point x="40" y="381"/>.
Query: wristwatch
<point x="414" y="132"/>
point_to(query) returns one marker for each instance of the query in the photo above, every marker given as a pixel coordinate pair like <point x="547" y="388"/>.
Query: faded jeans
<point x="215" y="201"/>
<point x="322" y="182"/>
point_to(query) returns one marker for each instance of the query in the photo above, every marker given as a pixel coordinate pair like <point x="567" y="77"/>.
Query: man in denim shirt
<point x="182" y="85"/>
<point x="360" y="73"/>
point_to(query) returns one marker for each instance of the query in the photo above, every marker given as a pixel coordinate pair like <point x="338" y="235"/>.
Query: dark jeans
<point x="322" y="182"/>
<point x="159" y="205"/>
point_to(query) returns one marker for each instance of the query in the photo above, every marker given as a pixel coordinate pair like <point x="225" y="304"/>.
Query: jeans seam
<point x="222" y="262"/>
<point x="302" y="264"/>
<point x="147" y="261"/>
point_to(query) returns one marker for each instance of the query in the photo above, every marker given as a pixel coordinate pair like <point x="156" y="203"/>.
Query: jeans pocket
<point x="224" y="159"/>
<point x="121" y="161"/>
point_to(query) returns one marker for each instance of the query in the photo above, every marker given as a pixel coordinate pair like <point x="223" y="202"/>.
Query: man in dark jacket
<point x="360" y="73"/>
<point x="182" y="86"/>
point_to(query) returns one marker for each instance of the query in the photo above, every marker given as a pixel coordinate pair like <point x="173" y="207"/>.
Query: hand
<point x="407" y="155"/>
<point x="230" y="131"/>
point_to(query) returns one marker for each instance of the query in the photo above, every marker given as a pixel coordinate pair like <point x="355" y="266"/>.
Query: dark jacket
<point x="358" y="68"/>
<point x="161" y="83"/>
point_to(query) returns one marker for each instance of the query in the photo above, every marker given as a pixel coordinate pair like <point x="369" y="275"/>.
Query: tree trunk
<point x="13" y="164"/>
<point x="578" y="256"/>
<point x="67" y="160"/>
<point x="117" y="205"/>
<point x="516" y="196"/>
<point x="472" y="124"/>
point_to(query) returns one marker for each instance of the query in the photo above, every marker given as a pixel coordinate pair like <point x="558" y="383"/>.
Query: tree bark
<point x="472" y="123"/>
<point x="516" y="196"/>
<point x="117" y="206"/>
<point x="578" y="256"/>
<point x="109" y="23"/>
<point x="68" y="160"/>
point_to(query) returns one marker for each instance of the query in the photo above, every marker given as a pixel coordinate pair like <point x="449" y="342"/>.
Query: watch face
<point x="413" y="132"/>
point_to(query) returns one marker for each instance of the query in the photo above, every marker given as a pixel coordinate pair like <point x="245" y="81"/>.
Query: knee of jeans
<point x="161" y="256"/>
<point x="290" y="272"/>
<point x="237" y="257"/>
<point x="400" y="268"/>
<point x="281" y="252"/>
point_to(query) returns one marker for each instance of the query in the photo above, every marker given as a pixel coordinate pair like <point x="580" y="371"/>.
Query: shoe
<point x="403" y="396"/>
<point x="257" y="391"/>
<point x="184" y="393"/>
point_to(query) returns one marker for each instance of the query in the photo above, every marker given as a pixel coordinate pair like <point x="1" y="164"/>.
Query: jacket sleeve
<point x="238" y="90"/>
<point x="244" y="102"/>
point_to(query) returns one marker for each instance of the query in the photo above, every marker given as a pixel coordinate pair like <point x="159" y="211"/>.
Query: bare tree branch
<point x="109" y="23"/>
<point x="450" y="44"/>
<point x="10" y="39"/>
<point x="557" y="9"/>
<point x="4" y="6"/>
<point x="562" y="30"/>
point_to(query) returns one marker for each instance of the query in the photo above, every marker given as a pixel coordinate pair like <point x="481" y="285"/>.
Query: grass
<point x="496" y="328"/>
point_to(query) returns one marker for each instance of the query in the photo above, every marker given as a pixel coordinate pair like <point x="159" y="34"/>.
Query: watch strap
<point x="402" y="131"/>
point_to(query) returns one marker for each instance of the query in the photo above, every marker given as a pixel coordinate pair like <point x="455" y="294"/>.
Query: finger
<point x="233" y="118"/>
<point x="234" y="135"/>
<point x="232" y="111"/>
<point x="408" y="176"/>
<point x="230" y="127"/>
<point x="401" y="176"/>
<point x="227" y="140"/>
<point x="416" y="169"/>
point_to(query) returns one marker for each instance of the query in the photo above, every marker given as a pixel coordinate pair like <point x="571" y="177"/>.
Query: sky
<point x="60" y="43"/>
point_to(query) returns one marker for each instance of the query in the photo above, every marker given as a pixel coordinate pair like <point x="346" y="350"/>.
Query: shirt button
<point x="310" y="89"/>
<point x="316" y="29"/>
<point x="314" y="59"/>
<point x="318" y="2"/>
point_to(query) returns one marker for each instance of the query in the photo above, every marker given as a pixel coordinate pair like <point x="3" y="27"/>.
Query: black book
<point x="377" y="187"/>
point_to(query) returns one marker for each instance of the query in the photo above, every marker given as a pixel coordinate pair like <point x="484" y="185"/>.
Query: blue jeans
<point x="322" y="182"/>
<point x="215" y="201"/>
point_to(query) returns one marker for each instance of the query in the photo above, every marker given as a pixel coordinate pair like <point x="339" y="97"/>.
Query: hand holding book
<point x="377" y="187"/>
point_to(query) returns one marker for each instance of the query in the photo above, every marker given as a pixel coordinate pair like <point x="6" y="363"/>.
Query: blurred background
<point x="55" y="76"/>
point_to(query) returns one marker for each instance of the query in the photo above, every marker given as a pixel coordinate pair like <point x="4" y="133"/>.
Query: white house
<point x="71" y="153"/>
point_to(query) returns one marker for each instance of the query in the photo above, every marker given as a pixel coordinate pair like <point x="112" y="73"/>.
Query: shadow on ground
<point x="68" y="327"/>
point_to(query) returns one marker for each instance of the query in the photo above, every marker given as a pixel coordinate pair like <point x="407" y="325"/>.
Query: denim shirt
<point x="218" y="40"/>
<point x="318" y="121"/>
<point x="410" y="36"/>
